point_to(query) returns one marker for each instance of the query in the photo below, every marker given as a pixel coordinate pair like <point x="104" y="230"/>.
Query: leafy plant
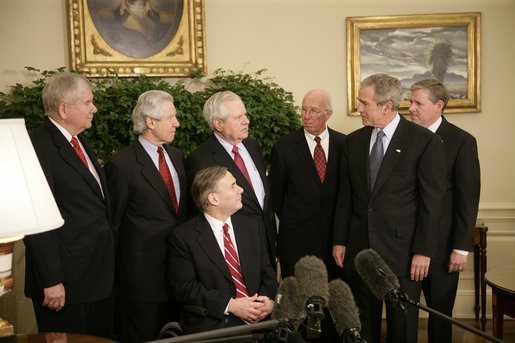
<point x="270" y="108"/>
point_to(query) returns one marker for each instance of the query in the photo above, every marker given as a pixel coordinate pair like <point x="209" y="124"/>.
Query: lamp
<point x="27" y="205"/>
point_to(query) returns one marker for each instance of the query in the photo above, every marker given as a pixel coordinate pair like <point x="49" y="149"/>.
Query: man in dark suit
<point x="428" y="101"/>
<point x="200" y="253"/>
<point x="144" y="211"/>
<point x="304" y="197"/>
<point x="395" y="210"/>
<point x="227" y="117"/>
<point x="70" y="270"/>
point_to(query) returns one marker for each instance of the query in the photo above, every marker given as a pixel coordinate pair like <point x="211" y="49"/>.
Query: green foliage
<point x="270" y="108"/>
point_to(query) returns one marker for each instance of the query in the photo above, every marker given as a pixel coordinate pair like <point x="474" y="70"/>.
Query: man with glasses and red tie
<point x="230" y="146"/>
<point x="218" y="262"/>
<point x="70" y="270"/>
<point x="148" y="188"/>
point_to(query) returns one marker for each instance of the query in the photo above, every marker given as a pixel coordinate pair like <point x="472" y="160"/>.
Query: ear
<point x="218" y="124"/>
<point x="61" y="110"/>
<point x="150" y="123"/>
<point x="439" y="105"/>
<point x="212" y="198"/>
<point x="389" y="106"/>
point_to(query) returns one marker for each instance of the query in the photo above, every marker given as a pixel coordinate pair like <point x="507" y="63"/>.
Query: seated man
<point x="217" y="262"/>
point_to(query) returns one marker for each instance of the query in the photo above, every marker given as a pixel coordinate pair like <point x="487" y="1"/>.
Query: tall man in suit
<point x="145" y="208"/>
<point x="304" y="190"/>
<point x="230" y="146"/>
<point x="428" y="101"/>
<point x="395" y="210"/>
<point x="218" y="261"/>
<point x="70" y="270"/>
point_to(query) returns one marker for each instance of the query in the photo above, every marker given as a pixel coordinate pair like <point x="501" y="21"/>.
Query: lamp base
<point x="6" y="328"/>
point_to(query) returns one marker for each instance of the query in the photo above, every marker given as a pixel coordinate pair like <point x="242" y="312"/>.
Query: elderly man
<point x="70" y="270"/>
<point x="428" y="100"/>
<point x="147" y="183"/>
<point x="231" y="147"/>
<point x="390" y="200"/>
<point x="218" y="262"/>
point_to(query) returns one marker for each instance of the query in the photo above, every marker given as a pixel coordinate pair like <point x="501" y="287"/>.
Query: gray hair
<point x="214" y="108"/>
<point x="437" y="91"/>
<point x="204" y="183"/>
<point x="387" y="88"/>
<point x="63" y="87"/>
<point x="149" y="105"/>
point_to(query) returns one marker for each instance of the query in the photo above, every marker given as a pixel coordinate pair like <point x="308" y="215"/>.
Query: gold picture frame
<point x="400" y="45"/>
<point x="107" y="37"/>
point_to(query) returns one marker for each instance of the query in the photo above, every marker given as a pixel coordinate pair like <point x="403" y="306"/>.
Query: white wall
<point x="302" y="44"/>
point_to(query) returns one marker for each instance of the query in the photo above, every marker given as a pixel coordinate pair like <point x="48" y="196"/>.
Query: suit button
<point x="226" y="320"/>
<point x="370" y="210"/>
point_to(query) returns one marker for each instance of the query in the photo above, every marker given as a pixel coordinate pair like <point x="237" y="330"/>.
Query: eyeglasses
<point x="315" y="112"/>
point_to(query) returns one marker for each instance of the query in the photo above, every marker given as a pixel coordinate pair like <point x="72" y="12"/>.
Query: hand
<point x="419" y="267"/>
<point x="339" y="254"/>
<point x="54" y="297"/>
<point x="457" y="262"/>
<point x="268" y="306"/>
<point x="248" y="309"/>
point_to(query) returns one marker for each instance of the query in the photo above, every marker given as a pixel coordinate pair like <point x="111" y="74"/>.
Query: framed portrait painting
<point x="136" y="37"/>
<point x="415" y="47"/>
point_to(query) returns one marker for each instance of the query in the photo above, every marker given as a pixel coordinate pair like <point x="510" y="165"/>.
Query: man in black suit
<point x="304" y="198"/>
<point x="144" y="211"/>
<point x="70" y="270"/>
<point x="198" y="253"/>
<point x="428" y="101"/>
<point x="395" y="211"/>
<point x="227" y="117"/>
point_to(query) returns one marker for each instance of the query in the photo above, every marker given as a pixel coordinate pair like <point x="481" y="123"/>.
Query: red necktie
<point x="78" y="150"/>
<point x="233" y="263"/>
<point x="241" y="165"/>
<point x="319" y="158"/>
<point x="167" y="177"/>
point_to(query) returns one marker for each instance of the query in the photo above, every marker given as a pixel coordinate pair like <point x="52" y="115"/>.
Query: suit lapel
<point x="361" y="156"/>
<point x="243" y="243"/>
<point x="301" y="148"/>
<point x="209" y="245"/>
<point x="178" y="164"/>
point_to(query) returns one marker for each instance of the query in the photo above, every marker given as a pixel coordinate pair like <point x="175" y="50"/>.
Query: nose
<point x="246" y="119"/>
<point x="240" y="190"/>
<point x="411" y="107"/>
<point x="94" y="108"/>
<point x="177" y="122"/>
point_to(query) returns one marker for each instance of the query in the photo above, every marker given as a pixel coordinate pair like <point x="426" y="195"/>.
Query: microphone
<point x="344" y="311"/>
<point x="311" y="275"/>
<point x="385" y="285"/>
<point x="288" y="304"/>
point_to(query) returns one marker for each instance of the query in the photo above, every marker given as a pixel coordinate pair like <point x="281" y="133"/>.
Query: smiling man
<point x="70" y="270"/>
<point x="230" y="146"/>
<point x="148" y="188"/>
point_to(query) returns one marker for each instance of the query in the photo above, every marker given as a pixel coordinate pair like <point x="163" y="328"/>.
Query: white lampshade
<point x="27" y="205"/>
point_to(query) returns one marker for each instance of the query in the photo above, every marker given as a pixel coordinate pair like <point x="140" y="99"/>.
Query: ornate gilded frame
<point x="184" y="49"/>
<point x="374" y="44"/>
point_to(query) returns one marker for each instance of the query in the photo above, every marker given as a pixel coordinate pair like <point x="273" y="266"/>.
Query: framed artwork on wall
<point x="415" y="47"/>
<point x="136" y="37"/>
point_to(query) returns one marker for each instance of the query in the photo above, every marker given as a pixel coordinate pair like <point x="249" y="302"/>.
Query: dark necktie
<point x="78" y="150"/>
<point x="233" y="263"/>
<point x="167" y="177"/>
<point x="375" y="158"/>
<point x="241" y="164"/>
<point x="319" y="158"/>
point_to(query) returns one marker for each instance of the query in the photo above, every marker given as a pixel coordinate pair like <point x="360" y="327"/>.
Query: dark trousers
<point x="142" y="321"/>
<point x="94" y="318"/>
<point x="440" y="289"/>
<point x="401" y="327"/>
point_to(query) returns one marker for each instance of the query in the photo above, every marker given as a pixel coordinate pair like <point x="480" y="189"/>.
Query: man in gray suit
<point x="428" y="101"/>
<point x="390" y="200"/>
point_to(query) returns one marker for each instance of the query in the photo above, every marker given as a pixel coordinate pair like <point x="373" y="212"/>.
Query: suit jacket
<point x="304" y="205"/>
<point x="401" y="215"/>
<point x="200" y="275"/>
<point x="211" y="153"/>
<point x="142" y="217"/>
<point x="462" y="194"/>
<point x="80" y="254"/>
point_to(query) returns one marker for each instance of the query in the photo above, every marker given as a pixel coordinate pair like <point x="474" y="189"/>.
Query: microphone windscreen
<point x="287" y="302"/>
<point x="311" y="274"/>
<point x="342" y="307"/>
<point x="376" y="273"/>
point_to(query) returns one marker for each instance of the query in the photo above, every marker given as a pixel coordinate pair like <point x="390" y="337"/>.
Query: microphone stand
<point x="404" y="298"/>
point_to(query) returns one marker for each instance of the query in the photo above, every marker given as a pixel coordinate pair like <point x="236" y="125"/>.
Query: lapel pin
<point x="397" y="150"/>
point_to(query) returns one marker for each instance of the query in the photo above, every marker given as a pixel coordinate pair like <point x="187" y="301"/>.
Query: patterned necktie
<point x="375" y="158"/>
<point x="241" y="164"/>
<point x="233" y="263"/>
<point x="319" y="158"/>
<point x="78" y="150"/>
<point x="167" y="177"/>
